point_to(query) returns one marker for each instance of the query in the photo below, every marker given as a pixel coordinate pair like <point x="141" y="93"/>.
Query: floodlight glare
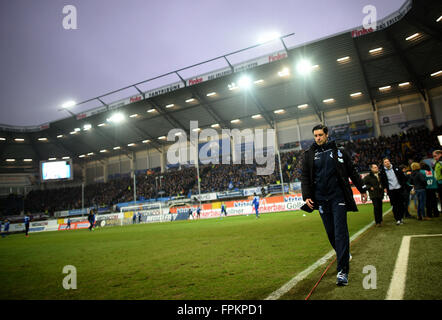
<point x="116" y="118"/>
<point x="68" y="104"/>
<point x="245" y="82"/>
<point x="304" y="67"/>
<point x="269" y="37"/>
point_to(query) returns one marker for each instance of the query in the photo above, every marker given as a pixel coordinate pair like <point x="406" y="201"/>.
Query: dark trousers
<point x="26" y="228"/>
<point x="334" y="218"/>
<point x="397" y="202"/>
<point x="377" y="206"/>
<point x="431" y="203"/>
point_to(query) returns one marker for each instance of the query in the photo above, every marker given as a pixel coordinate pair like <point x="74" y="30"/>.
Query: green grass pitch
<point x="237" y="257"/>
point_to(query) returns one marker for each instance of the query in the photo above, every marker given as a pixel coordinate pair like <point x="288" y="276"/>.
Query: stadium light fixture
<point x="73" y="132"/>
<point x="2" y="139"/>
<point x="413" y="36"/>
<point x="27" y="160"/>
<point x="329" y="100"/>
<point x="304" y="67"/>
<point x="343" y="59"/>
<point x="146" y="141"/>
<point x="233" y="86"/>
<point x="90" y="154"/>
<point x="65" y="158"/>
<point x="116" y="118"/>
<point x="52" y="159"/>
<point x="162" y="138"/>
<point x="133" y="115"/>
<point x="170" y="106"/>
<point x="87" y="127"/>
<point x="190" y="100"/>
<point x="257" y="116"/>
<point x="235" y="121"/>
<point x="284" y="72"/>
<point x="437" y="73"/>
<point x="117" y="148"/>
<point x="245" y="82"/>
<point x="19" y="139"/>
<point x="279" y="111"/>
<point x="81" y="156"/>
<point x="151" y="110"/>
<point x="178" y="134"/>
<point x="42" y="139"/>
<point x="439" y="19"/>
<point x="68" y="104"/>
<point x="215" y="125"/>
<point x="385" y="88"/>
<point x="315" y="67"/>
<point x="196" y="130"/>
<point x="131" y="144"/>
<point x="269" y="36"/>
<point x="258" y="81"/>
<point x="103" y="151"/>
<point x="60" y="136"/>
<point x="404" y="84"/>
<point x="211" y="94"/>
<point x="10" y="160"/>
<point x="303" y="106"/>
<point x="77" y="129"/>
<point x="356" y="94"/>
<point x="101" y="124"/>
<point x="375" y="50"/>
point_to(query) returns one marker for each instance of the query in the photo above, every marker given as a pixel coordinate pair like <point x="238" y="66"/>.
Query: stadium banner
<point x="208" y="76"/>
<point x="126" y="101"/>
<point x="205" y="196"/>
<point x="91" y="112"/>
<point x="352" y="131"/>
<point x="385" y="22"/>
<point x="229" y="194"/>
<point x="163" y="90"/>
<point x="392" y="119"/>
<point x="276" y="56"/>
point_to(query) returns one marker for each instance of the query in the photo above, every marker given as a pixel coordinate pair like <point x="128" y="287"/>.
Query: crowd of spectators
<point x="403" y="148"/>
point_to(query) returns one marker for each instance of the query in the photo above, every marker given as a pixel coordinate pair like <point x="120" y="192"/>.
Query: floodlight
<point x="116" y="118"/>
<point x="269" y="36"/>
<point x="304" y="67"/>
<point x="245" y="82"/>
<point x="68" y="104"/>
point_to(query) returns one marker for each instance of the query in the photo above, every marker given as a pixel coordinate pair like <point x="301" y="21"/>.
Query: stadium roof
<point x="403" y="56"/>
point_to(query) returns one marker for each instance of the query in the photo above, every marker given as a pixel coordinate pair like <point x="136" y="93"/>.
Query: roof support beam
<point x="407" y="65"/>
<point x="364" y="73"/>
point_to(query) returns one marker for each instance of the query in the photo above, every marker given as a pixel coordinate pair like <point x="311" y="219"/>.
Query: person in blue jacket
<point x="255" y="203"/>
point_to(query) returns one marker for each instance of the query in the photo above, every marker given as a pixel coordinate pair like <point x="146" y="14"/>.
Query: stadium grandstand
<point x="379" y="92"/>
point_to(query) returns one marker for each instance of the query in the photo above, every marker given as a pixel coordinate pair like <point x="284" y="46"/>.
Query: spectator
<point x="417" y="180"/>
<point x="431" y="189"/>
<point x="376" y="192"/>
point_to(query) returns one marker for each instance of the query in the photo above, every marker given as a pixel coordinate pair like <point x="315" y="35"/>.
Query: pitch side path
<point x="233" y="258"/>
<point x="379" y="248"/>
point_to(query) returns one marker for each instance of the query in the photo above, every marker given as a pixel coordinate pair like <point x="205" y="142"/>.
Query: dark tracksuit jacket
<point x="325" y="179"/>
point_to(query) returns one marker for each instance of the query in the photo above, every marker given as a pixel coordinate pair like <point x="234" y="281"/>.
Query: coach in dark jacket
<point x="325" y="185"/>
<point x="376" y="192"/>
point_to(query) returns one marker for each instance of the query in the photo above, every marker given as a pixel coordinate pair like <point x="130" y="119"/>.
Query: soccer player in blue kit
<point x="255" y="203"/>
<point x="26" y="221"/>
<point x="223" y="210"/>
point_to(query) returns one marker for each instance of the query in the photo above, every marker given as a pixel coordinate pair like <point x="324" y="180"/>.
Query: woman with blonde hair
<point x="419" y="183"/>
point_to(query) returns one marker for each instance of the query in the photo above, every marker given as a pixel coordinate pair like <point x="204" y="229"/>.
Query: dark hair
<point x="320" y="127"/>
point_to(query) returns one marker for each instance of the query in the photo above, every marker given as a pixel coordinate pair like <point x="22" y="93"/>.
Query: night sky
<point x="118" y="43"/>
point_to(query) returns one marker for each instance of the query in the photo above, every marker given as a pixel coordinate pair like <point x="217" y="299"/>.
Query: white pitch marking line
<point x="303" y="274"/>
<point x="397" y="285"/>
